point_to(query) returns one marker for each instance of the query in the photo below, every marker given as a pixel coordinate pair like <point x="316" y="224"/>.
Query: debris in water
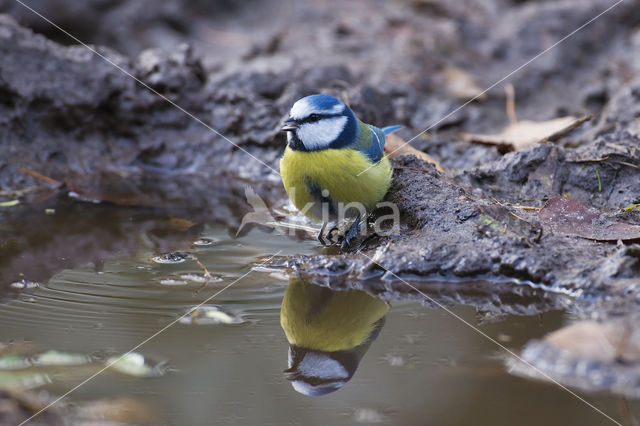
<point x="200" y="279"/>
<point x="588" y="355"/>
<point x="10" y="203"/>
<point x="211" y="315"/>
<point x="172" y="281"/>
<point x="171" y="258"/>
<point x="13" y="362"/>
<point x="133" y="364"/>
<point x="204" y="242"/>
<point x="368" y="415"/>
<point x="53" y="357"/>
<point x="180" y="223"/>
<point x="24" y="284"/>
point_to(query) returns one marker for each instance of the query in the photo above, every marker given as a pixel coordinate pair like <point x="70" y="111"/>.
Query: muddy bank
<point x="127" y="26"/>
<point x="66" y="111"/>
<point x="455" y="231"/>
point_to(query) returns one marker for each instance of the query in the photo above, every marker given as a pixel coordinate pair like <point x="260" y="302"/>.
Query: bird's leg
<point x="320" y="236"/>
<point x="351" y="233"/>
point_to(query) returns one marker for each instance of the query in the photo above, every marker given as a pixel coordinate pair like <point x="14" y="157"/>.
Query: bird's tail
<point x="391" y="129"/>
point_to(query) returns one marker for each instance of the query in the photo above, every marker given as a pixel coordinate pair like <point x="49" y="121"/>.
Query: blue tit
<point x="328" y="332"/>
<point x="333" y="159"/>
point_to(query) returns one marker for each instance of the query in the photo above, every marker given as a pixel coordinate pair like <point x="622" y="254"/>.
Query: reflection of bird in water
<point x="328" y="332"/>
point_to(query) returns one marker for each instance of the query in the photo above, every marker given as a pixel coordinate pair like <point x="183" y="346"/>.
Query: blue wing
<point x="376" y="148"/>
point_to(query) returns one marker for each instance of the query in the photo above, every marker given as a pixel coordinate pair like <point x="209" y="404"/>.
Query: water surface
<point x="424" y="367"/>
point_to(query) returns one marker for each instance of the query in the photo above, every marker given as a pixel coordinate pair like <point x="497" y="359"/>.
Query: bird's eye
<point x="314" y="117"/>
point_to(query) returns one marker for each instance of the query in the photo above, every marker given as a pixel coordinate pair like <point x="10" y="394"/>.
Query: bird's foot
<point x="350" y="235"/>
<point x="327" y="239"/>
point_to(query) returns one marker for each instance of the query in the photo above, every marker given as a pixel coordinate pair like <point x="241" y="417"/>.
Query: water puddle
<point x="250" y="345"/>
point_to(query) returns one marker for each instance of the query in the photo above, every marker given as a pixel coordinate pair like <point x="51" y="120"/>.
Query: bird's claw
<point x="350" y="235"/>
<point x="330" y="238"/>
<point x="333" y="239"/>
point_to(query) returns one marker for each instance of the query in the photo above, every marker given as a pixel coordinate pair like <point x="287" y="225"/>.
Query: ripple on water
<point x="135" y="295"/>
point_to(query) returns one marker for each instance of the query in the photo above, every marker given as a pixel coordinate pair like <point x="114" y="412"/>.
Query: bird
<point x="334" y="165"/>
<point x="328" y="333"/>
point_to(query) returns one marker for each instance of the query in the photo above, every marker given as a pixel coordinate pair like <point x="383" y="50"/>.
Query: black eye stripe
<point x="312" y="118"/>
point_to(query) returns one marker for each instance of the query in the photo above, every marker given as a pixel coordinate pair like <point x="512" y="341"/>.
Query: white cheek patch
<point x="303" y="109"/>
<point x="320" y="134"/>
<point x="322" y="367"/>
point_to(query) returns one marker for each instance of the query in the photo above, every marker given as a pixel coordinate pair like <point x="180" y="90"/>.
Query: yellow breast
<point x="306" y="174"/>
<point x="317" y="318"/>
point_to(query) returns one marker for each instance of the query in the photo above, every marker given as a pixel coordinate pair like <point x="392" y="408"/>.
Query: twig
<point x="625" y="412"/>
<point x="524" y="207"/>
<point x="207" y="275"/>
<point x="518" y="217"/>
<point x="510" y="91"/>
<point x="624" y="163"/>
<point x="40" y="176"/>
<point x="515" y="206"/>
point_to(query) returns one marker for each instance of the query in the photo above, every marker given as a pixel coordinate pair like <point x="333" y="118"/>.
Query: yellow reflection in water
<point x="328" y="332"/>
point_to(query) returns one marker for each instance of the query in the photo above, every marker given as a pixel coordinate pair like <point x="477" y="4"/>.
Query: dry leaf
<point x="592" y="340"/>
<point x="180" y="224"/>
<point x="573" y="217"/>
<point x="395" y="147"/>
<point x="121" y="410"/>
<point x="460" y="83"/>
<point x="524" y="133"/>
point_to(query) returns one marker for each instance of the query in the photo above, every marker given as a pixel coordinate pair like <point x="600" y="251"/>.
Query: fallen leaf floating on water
<point x="180" y="224"/>
<point x="134" y="364"/>
<point x="521" y="134"/>
<point x="10" y="203"/>
<point x="57" y="358"/>
<point x="573" y="217"/>
<point x="396" y="147"/>
<point x="211" y="315"/>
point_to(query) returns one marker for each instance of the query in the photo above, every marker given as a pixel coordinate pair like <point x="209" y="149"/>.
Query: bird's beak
<point x="289" y="125"/>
